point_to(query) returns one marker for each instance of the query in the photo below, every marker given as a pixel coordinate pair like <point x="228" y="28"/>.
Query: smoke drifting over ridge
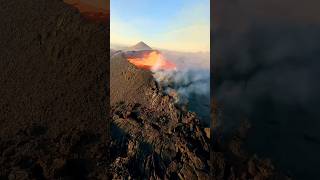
<point x="190" y="88"/>
<point x="186" y="79"/>
<point x="189" y="83"/>
<point x="266" y="68"/>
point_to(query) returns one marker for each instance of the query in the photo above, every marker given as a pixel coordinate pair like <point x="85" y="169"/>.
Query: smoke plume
<point x="189" y="83"/>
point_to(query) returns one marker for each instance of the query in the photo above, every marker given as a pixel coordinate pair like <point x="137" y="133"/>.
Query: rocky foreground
<point x="155" y="138"/>
<point x="151" y="137"/>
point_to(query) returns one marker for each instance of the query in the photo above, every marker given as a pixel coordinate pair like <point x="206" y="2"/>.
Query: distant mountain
<point x="139" y="47"/>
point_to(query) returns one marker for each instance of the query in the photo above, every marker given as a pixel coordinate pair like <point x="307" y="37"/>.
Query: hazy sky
<point x="182" y="25"/>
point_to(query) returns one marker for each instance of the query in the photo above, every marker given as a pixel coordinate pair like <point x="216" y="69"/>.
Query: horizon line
<point x="159" y="48"/>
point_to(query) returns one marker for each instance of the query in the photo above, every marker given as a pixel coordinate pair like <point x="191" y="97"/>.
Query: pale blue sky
<point x="171" y="24"/>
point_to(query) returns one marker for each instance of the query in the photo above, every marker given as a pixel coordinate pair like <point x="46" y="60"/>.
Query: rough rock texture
<point x="230" y="160"/>
<point x="154" y="138"/>
<point x="128" y="83"/>
<point x="151" y="137"/>
<point x="53" y="78"/>
<point x="152" y="146"/>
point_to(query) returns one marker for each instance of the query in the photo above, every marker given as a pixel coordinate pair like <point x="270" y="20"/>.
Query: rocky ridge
<point x="155" y="138"/>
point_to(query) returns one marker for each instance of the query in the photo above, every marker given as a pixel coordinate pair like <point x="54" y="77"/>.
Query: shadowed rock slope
<point x="53" y="78"/>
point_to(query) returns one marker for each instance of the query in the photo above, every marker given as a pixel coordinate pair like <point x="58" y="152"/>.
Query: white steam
<point x="188" y="84"/>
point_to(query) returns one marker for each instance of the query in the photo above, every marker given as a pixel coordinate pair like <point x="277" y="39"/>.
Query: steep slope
<point x="128" y="83"/>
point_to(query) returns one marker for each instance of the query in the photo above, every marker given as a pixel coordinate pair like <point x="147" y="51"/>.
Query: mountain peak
<point x="140" y="46"/>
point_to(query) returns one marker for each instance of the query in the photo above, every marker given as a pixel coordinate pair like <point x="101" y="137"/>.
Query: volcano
<point x="144" y="57"/>
<point x="140" y="46"/>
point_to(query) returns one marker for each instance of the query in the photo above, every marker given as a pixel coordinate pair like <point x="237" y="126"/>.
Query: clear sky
<point x="182" y="25"/>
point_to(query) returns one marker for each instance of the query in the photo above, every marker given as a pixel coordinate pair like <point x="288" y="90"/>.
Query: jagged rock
<point x="172" y="142"/>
